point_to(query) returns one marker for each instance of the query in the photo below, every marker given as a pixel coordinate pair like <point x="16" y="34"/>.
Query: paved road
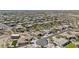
<point x="4" y="39"/>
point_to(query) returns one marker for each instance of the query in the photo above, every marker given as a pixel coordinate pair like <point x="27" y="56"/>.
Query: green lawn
<point x="71" y="45"/>
<point x="14" y="43"/>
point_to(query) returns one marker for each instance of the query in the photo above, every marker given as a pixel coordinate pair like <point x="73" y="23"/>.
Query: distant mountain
<point x="39" y="11"/>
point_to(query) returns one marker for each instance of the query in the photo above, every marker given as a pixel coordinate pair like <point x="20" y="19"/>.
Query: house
<point x="20" y="28"/>
<point x="3" y="26"/>
<point x="22" y="44"/>
<point x="61" y="42"/>
<point x="15" y="36"/>
<point x="72" y="39"/>
<point x="12" y="24"/>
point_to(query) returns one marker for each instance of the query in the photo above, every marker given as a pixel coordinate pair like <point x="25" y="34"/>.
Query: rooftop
<point x="15" y="35"/>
